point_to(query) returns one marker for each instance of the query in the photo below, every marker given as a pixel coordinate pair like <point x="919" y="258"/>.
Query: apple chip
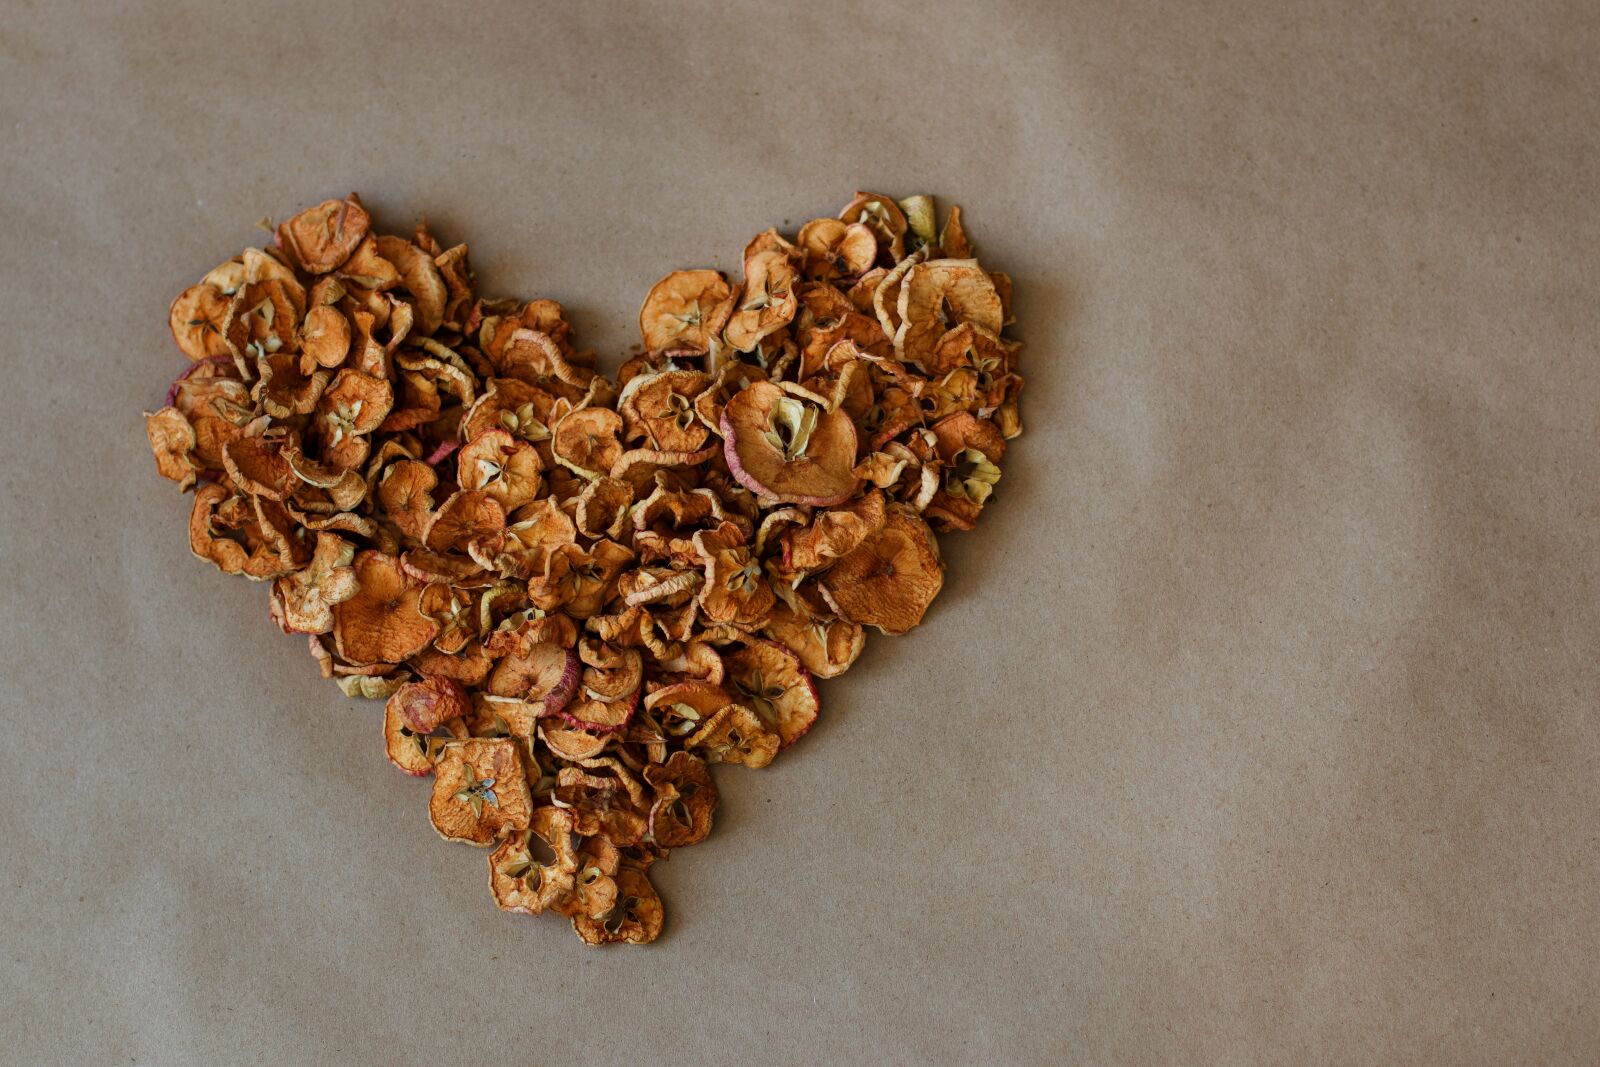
<point x="320" y="238"/>
<point x="940" y="294"/>
<point x="425" y="704"/>
<point x="470" y="517"/>
<point x="686" y="798"/>
<point x="659" y="409"/>
<point x="414" y="751"/>
<point x="504" y="467"/>
<point x="353" y="405"/>
<point x="684" y="311"/>
<point x="836" y="249"/>
<point x="173" y="441"/>
<point x="480" y="791"/>
<point x="196" y="318"/>
<point x="309" y="595"/>
<point x="826" y="646"/>
<point x="766" y="304"/>
<point x="788" y="449"/>
<point x="421" y="278"/>
<point x="769" y="680"/>
<point x="735" y="734"/>
<point x="384" y="621"/>
<point x="535" y="868"/>
<point x="636" y="916"/>
<point x="735" y="590"/>
<point x="588" y="441"/>
<point x="883" y="217"/>
<point x="833" y="532"/>
<point x="325" y="336"/>
<point x="891" y="578"/>
<point x="610" y="803"/>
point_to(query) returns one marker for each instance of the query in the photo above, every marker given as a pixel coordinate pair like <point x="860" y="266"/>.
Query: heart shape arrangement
<point x="575" y="594"/>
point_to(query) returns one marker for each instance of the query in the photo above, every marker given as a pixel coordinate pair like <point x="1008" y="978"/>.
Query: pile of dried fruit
<point x="574" y="594"/>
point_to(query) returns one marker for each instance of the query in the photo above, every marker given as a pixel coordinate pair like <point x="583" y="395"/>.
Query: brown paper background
<point x="1256" y="725"/>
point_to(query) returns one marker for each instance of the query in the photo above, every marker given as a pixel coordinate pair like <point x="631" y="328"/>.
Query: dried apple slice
<point x="659" y="408"/>
<point x="611" y="802"/>
<point x="309" y="595"/>
<point x="636" y="917"/>
<point x="469" y="517"/>
<point x="767" y="302"/>
<point x="788" y="449"/>
<point x="686" y="798"/>
<point x="594" y="715"/>
<point x="939" y="295"/>
<point x="685" y="310"/>
<point x="413" y="751"/>
<point x="890" y="579"/>
<point x="427" y="703"/>
<point x="883" y="217"/>
<point x="352" y="406"/>
<point x="826" y="646"/>
<point x="836" y="249"/>
<point x="588" y="441"/>
<point x="420" y="277"/>
<point x="405" y="494"/>
<point x="833" y="532"/>
<point x="325" y="336"/>
<point x="535" y="868"/>
<point x="196" y="318"/>
<point x="769" y="679"/>
<point x="172" y="440"/>
<point x="479" y="791"/>
<point x="320" y="238"/>
<point x="735" y="734"/>
<point x="545" y="673"/>
<point x="505" y="468"/>
<point x="384" y="621"/>
<point x="735" y="591"/>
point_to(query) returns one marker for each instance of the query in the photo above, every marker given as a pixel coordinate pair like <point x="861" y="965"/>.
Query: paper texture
<point x="1256" y="724"/>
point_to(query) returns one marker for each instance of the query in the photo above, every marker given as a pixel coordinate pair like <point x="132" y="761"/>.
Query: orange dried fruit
<point x="826" y="646"/>
<point x="469" y="517"/>
<point x="659" y="408"/>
